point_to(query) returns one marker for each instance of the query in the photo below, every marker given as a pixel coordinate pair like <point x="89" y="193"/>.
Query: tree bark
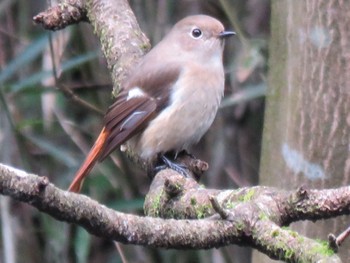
<point x="248" y="216"/>
<point x="307" y="121"/>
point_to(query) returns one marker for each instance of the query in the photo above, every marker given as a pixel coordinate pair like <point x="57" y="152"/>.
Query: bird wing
<point x="130" y="114"/>
<point x="125" y="118"/>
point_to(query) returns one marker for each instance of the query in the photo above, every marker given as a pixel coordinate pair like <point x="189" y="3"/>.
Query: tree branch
<point x="255" y="211"/>
<point x="282" y="207"/>
<point x="104" y="222"/>
<point x="66" y="13"/>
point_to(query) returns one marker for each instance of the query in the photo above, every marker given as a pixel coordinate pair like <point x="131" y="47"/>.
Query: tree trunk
<point x="307" y="122"/>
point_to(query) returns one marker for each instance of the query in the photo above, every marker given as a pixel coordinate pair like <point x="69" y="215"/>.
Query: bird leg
<point x="165" y="162"/>
<point x="182" y="162"/>
<point x="178" y="167"/>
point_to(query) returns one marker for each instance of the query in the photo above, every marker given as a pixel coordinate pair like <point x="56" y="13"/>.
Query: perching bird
<point x="170" y="99"/>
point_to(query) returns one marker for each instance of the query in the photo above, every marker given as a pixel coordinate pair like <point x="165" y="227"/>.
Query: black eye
<point x="196" y="33"/>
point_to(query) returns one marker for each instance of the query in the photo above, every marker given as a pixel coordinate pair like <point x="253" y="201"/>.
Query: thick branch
<point x="289" y="245"/>
<point x="316" y="204"/>
<point x="122" y="40"/>
<point x="104" y="222"/>
<point x="282" y="207"/>
<point x="247" y="226"/>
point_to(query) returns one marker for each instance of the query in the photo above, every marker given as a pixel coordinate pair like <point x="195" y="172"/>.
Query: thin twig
<point x="341" y="238"/>
<point x="224" y="214"/>
<point x="67" y="91"/>
<point x="121" y="252"/>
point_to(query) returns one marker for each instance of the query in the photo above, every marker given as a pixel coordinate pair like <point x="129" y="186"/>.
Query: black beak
<point x="225" y="34"/>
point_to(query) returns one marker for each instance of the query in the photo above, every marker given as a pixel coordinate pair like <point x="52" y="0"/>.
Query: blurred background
<point x="45" y="132"/>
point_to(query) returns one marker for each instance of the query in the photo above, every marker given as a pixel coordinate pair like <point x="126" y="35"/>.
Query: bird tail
<point x="89" y="162"/>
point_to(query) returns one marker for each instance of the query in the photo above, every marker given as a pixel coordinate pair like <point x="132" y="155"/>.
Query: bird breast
<point x="194" y="101"/>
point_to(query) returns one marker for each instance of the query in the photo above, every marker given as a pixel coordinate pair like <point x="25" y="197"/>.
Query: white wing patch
<point x="134" y="117"/>
<point x="135" y="92"/>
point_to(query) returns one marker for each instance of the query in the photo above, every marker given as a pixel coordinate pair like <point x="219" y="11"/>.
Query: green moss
<point x="202" y="211"/>
<point x="263" y="216"/>
<point x="145" y="47"/>
<point x="178" y="186"/>
<point x="322" y="248"/>
<point x="170" y="213"/>
<point x="293" y="233"/>
<point x="230" y="205"/>
<point x="275" y="233"/>
<point x="300" y="239"/>
<point x="289" y="253"/>
<point x="240" y="226"/>
<point x="193" y="201"/>
<point x="290" y="232"/>
<point x="248" y="196"/>
<point x="285" y="252"/>
<point x="287" y="229"/>
<point x="155" y="207"/>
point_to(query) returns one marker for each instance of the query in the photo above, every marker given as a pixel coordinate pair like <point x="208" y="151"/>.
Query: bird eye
<point x="196" y="33"/>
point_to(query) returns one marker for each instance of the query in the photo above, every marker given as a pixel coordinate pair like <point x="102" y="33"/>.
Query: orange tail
<point x="89" y="162"/>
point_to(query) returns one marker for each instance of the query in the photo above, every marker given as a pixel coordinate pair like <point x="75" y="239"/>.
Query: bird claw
<point x="167" y="163"/>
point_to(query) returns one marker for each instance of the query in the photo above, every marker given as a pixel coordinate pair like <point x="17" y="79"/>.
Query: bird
<point x="169" y="99"/>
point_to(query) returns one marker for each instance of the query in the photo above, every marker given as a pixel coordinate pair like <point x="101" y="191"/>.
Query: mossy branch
<point x="257" y="215"/>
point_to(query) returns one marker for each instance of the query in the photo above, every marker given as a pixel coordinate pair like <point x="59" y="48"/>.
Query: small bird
<point x="169" y="100"/>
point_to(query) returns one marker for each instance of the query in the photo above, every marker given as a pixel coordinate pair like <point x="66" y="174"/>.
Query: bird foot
<point x="168" y="163"/>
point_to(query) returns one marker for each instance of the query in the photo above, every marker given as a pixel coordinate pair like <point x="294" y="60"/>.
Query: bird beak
<point x="225" y="34"/>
